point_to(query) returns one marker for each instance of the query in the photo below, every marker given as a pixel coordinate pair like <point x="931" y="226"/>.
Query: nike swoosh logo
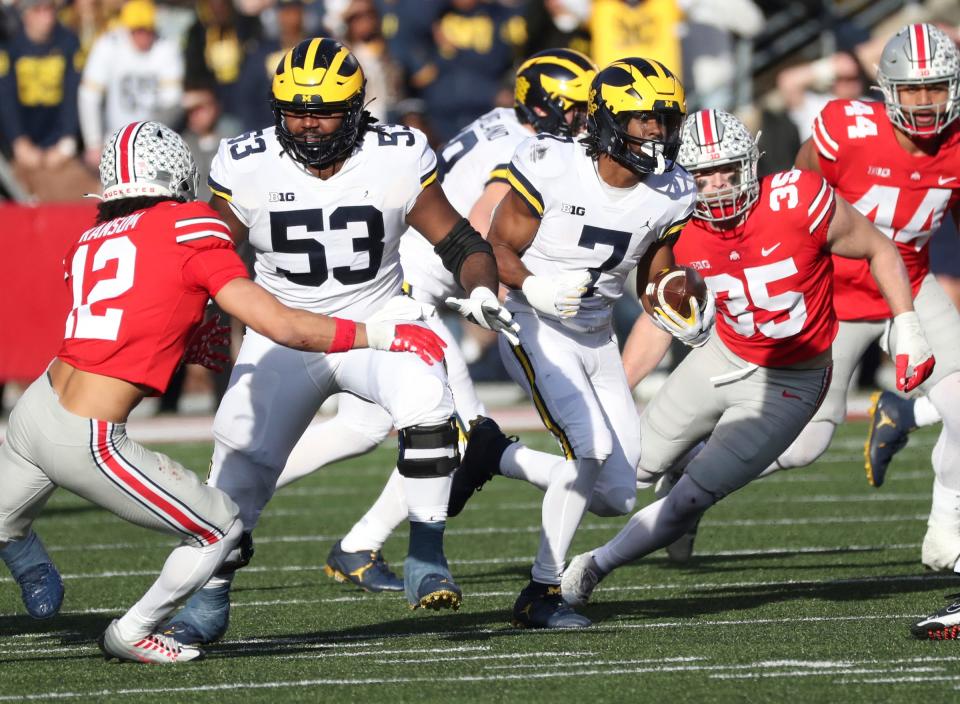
<point x="766" y="252"/>
<point x="941" y="180"/>
<point x="787" y="394"/>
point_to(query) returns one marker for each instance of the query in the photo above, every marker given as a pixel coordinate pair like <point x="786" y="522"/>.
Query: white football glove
<point x="483" y="308"/>
<point x="911" y="353"/>
<point x="557" y="296"/>
<point x="694" y="331"/>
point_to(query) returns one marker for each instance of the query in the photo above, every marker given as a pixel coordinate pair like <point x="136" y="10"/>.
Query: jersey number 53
<point x="284" y="226"/>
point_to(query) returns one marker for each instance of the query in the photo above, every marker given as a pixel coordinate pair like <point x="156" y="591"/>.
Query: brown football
<point x="673" y="287"/>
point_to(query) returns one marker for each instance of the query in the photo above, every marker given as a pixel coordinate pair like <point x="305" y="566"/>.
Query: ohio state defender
<point x="764" y="249"/>
<point x="140" y="281"/>
<point x="898" y="163"/>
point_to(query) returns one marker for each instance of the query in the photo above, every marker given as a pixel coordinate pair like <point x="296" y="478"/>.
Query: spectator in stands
<point x="357" y="24"/>
<point x="408" y="29"/>
<point x="88" y="19"/>
<point x="217" y="44"/>
<point x="476" y="43"/>
<point x="131" y="74"/>
<point x="557" y="23"/>
<point x="710" y="69"/>
<point x="253" y="88"/>
<point x="648" y="28"/>
<point x="38" y="105"/>
<point x="807" y="88"/>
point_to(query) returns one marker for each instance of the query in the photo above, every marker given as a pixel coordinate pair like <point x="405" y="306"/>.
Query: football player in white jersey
<point x="323" y="196"/>
<point x="580" y="216"/>
<point x="551" y="97"/>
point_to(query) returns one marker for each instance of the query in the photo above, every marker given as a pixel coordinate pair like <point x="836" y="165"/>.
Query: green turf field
<point x="803" y="591"/>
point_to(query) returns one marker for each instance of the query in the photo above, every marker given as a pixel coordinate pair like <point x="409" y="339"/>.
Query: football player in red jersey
<point x="140" y="280"/>
<point x="763" y="247"/>
<point x="898" y="163"/>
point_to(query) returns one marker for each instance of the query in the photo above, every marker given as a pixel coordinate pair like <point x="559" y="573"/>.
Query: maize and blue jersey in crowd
<point x="486" y="41"/>
<point x="38" y="88"/>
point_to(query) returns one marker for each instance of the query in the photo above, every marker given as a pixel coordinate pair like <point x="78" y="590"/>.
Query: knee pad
<point x="688" y="499"/>
<point x="428" y="451"/>
<point x="240" y="555"/>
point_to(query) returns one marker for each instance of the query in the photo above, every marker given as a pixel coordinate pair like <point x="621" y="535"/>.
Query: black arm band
<point x="460" y="243"/>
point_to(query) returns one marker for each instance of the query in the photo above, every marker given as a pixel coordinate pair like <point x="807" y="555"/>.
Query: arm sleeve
<point x="10" y="124"/>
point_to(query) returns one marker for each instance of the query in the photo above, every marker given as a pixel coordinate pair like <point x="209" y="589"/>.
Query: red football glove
<point x="406" y="337"/>
<point x="202" y="347"/>
<point x="910" y="351"/>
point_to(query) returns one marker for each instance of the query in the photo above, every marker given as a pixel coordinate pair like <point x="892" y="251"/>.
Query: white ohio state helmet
<point x="147" y="159"/>
<point x="920" y="54"/>
<point x="713" y="138"/>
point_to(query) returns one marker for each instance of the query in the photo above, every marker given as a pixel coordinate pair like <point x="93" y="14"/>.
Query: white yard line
<point x="709" y="670"/>
<point x="744" y="552"/>
<point x="490" y="530"/>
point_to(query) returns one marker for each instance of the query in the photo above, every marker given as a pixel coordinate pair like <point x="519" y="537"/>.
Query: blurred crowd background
<point x="72" y="71"/>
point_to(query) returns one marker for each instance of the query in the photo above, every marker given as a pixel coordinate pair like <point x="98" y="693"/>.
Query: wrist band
<point x="343" y="336"/>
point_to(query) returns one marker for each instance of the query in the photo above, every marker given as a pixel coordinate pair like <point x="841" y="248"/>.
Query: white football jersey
<point x="136" y="85"/>
<point x="478" y="155"/>
<point x="586" y="224"/>
<point x="328" y="246"/>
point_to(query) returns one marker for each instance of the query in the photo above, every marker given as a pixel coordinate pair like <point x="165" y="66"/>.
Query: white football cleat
<point x="942" y="625"/>
<point x="155" y="648"/>
<point x="580" y="579"/>
<point x="941" y="548"/>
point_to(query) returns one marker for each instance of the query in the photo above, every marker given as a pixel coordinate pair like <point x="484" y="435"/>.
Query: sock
<point x="924" y="412"/>
<point x="655" y="526"/>
<point x="323" y="444"/>
<point x="519" y="462"/>
<point x="387" y="512"/>
<point x="427" y="498"/>
<point x="946" y="453"/>
<point x="187" y="569"/>
<point x="21" y="555"/>
<point x="564" y="504"/>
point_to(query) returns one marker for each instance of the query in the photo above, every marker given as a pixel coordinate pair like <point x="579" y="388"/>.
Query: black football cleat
<point x="486" y="444"/>
<point x="366" y="569"/>
<point x="542" y="606"/>
<point x="891" y="422"/>
<point x="942" y="625"/>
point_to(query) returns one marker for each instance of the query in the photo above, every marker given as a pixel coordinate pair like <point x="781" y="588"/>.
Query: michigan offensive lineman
<point x="764" y="249"/>
<point x="551" y="97"/>
<point x="323" y="197"/>
<point x="580" y="216"/>
<point x="140" y="280"/>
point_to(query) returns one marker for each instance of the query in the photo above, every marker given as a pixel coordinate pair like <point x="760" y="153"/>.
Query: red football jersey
<point x="905" y="196"/>
<point x="772" y="278"/>
<point x="139" y="285"/>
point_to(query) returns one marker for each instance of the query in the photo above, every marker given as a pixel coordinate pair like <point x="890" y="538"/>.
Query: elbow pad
<point x="460" y="243"/>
